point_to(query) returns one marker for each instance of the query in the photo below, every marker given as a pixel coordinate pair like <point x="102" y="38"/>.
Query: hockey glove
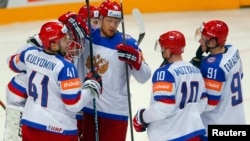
<point x="130" y="55"/>
<point x="199" y="52"/>
<point x="196" y="61"/>
<point x="138" y="122"/>
<point x="94" y="82"/>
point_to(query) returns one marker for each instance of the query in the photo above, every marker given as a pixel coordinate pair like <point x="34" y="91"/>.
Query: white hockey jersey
<point x="53" y="88"/>
<point x="15" y="91"/>
<point x="113" y="102"/>
<point x="177" y="100"/>
<point x="223" y="75"/>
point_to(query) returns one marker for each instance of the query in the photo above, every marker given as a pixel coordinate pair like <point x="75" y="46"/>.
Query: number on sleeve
<point x="160" y="75"/>
<point x="71" y="72"/>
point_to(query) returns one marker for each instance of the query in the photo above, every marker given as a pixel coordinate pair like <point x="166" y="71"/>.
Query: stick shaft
<point x="127" y="76"/>
<point x="92" y="70"/>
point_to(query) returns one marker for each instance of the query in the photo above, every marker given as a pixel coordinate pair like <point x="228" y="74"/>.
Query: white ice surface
<point x="14" y="36"/>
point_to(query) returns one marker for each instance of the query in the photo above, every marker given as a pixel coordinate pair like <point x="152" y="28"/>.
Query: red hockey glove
<point x="130" y="55"/>
<point x="76" y="25"/>
<point x="138" y="122"/>
<point x="94" y="82"/>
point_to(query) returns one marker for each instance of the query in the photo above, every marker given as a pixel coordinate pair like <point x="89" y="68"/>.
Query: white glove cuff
<point x="94" y="86"/>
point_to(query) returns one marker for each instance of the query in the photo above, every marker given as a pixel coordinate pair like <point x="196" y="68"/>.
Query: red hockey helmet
<point x="83" y="12"/>
<point x="173" y="40"/>
<point x="215" y="29"/>
<point x="52" y="32"/>
<point x="110" y="8"/>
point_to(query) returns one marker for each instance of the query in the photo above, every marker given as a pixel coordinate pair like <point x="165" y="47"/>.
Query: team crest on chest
<point x="211" y="59"/>
<point x="100" y="64"/>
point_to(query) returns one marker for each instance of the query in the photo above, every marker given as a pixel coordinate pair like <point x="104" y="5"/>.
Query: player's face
<point x="109" y="26"/>
<point x="208" y="44"/>
<point x="203" y="41"/>
<point x="64" y="44"/>
<point x="94" y="23"/>
<point x="165" y="53"/>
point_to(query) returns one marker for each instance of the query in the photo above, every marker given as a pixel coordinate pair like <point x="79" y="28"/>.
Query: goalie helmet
<point x="52" y="32"/>
<point x="215" y="29"/>
<point x="173" y="40"/>
<point x="83" y="12"/>
<point x="110" y="8"/>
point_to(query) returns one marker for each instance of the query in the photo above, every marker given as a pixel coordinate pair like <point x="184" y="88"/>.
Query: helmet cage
<point x="75" y="49"/>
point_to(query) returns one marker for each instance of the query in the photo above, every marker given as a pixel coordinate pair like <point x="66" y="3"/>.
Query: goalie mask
<point x="77" y="31"/>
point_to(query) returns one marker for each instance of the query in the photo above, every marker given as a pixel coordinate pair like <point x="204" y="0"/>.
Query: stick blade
<point x="139" y="20"/>
<point x="141" y="36"/>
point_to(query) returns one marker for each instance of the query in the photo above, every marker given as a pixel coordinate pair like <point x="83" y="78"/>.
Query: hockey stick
<point x="92" y="70"/>
<point x="2" y="105"/>
<point x="127" y="74"/>
<point x="140" y="24"/>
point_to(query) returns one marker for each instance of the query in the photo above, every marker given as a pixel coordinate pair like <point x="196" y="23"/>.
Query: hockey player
<point x="223" y="73"/>
<point x="54" y="93"/>
<point x="178" y="96"/>
<point x="94" y="14"/>
<point x="78" y="30"/>
<point x="78" y="23"/>
<point x="16" y="96"/>
<point x="16" y="93"/>
<point x="110" y="56"/>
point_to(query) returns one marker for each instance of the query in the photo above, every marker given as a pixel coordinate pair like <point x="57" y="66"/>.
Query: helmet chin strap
<point x="210" y="48"/>
<point x="166" y="60"/>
